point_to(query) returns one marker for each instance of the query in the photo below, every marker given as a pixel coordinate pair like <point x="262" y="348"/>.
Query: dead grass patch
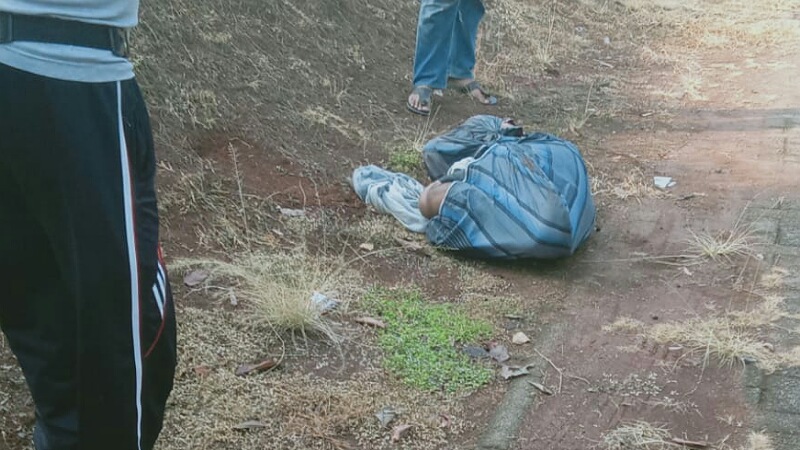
<point x="294" y="410"/>
<point x="774" y="279"/>
<point x="758" y="441"/>
<point x="624" y="324"/>
<point x="328" y="119"/>
<point x="277" y="288"/>
<point x="477" y="282"/>
<point x="377" y="229"/>
<point x="634" y="186"/>
<point x="726" y="244"/>
<point x="637" y="436"/>
<point x="718" y="339"/>
<point x="729" y="339"/>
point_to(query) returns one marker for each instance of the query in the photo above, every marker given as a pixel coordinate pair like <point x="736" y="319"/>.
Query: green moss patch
<point x="422" y="340"/>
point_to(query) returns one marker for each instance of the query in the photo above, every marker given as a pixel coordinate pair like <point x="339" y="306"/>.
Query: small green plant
<point x="406" y="159"/>
<point x="420" y="341"/>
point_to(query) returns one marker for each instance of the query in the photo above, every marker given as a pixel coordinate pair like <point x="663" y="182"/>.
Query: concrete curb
<point x="503" y="430"/>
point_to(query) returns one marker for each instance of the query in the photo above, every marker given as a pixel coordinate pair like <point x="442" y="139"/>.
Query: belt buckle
<point x="119" y="41"/>
<point x="6" y="28"/>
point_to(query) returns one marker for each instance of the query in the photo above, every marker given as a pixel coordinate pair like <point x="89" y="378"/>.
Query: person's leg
<point x="430" y="202"/>
<point x="434" y="32"/>
<point x="38" y="329"/>
<point x="81" y="159"/>
<point x="461" y="66"/>
<point x="464" y="41"/>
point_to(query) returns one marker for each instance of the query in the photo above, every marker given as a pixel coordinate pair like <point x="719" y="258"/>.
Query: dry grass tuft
<point x="758" y="441"/>
<point x="636" y="436"/>
<point x="774" y="279"/>
<point x="717" y="338"/>
<point x="728" y="339"/>
<point x="633" y="186"/>
<point x="736" y="242"/>
<point x="277" y="289"/>
<point x="624" y="324"/>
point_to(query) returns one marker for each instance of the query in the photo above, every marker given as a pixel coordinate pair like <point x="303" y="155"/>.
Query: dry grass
<point x="476" y="281"/>
<point x="692" y="27"/>
<point x="728" y="339"/>
<point x="774" y="279"/>
<point x="717" y="339"/>
<point x="758" y="441"/>
<point x="296" y="410"/>
<point x="736" y="242"/>
<point x="727" y="23"/>
<point x="277" y="288"/>
<point x="637" y="436"/>
<point x="634" y="186"/>
<point x="624" y="324"/>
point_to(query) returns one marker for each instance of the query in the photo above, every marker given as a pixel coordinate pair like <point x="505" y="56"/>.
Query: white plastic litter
<point x="664" y="182"/>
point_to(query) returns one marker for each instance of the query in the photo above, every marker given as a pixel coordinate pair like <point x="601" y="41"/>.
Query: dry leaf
<point x="544" y="389"/>
<point x="513" y="372"/>
<point x="367" y="246"/>
<point x="446" y="421"/>
<point x="520" y="338"/>
<point x="202" y="371"/>
<point x="413" y="246"/>
<point x="245" y="369"/>
<point x="195" y="277"/>
<point x="369" y="321"/>
<point x="499" y="353"/>
<point x="400" y="431"/>
<point x="249" y="425"/>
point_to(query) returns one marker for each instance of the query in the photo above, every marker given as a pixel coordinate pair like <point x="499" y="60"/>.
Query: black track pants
<point x="84" y="298"/>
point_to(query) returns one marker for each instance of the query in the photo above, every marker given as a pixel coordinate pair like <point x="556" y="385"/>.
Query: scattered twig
<point x="560" y="372"/>
<point x="246" y="369"/>
<point x="575" y="377"/>
<point x="693" y="444"/>
<point x="543" y="389"/>
<point x="369" y="321"/>
<point x="238" y="176"/>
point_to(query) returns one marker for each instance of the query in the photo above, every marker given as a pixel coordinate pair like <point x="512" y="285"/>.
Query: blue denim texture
<point x="446" y="38"/>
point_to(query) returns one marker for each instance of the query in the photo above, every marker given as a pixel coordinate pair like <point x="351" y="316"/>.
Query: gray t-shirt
<point x="67" y="62"/>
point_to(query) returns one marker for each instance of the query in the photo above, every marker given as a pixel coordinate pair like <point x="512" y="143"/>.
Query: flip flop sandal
<point x="424" y="94"/>
<point x="474" y="85"/>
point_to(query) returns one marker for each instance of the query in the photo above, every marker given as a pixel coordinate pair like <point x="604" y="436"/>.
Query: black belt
<point x="14" y="27"/>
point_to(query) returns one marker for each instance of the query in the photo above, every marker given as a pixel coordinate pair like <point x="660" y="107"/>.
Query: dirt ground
<point x="250" y="122"/>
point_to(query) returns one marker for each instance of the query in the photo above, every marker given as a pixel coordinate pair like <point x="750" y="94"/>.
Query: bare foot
<point x="419" y="101"/>
<point x="473" y="88"/>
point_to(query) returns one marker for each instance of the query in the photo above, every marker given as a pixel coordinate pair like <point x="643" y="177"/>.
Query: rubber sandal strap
<point x="424" y="93"/>
<point x="474" y="85"/>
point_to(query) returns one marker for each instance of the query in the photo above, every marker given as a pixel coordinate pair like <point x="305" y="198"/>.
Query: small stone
<point x="520" y="338"/>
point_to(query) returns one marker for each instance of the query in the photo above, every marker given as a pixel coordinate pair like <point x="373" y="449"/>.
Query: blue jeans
<point x="446" y="37"/>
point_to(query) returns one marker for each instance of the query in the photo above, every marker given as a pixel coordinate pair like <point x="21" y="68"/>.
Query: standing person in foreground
<point x="84" y="298"/>
<point x="447" y="34"/>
